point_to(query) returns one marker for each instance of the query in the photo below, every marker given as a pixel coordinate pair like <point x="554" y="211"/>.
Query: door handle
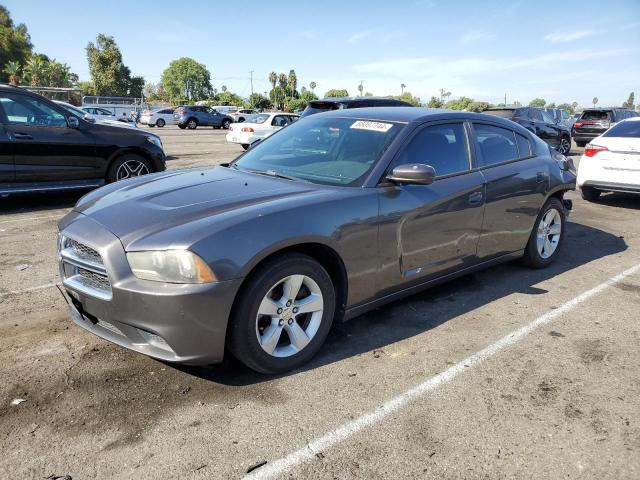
<point x="22" y="136"/>
<point x="475" y="198"/>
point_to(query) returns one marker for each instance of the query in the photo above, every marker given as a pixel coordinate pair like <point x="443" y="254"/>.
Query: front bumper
<point x="176" y="323"/>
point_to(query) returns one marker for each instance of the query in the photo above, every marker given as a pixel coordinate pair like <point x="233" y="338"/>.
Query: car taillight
<point x="591" y="150"/>
<point x="578" y="124"/>
<point x="247" y="129"/>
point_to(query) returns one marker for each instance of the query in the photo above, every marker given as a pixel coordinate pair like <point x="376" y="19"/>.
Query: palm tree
<point x="36" y="70"/>
<point x="293" y="82"/>
<point x="12" y="69"/>
<point x="282" y="82"/>
<point x="360" y="88"/>
<point x="594" y="101"/>
<point x="273" y="78"/>
<point x="312" y="86"/>
<point x="402" y="87"/>
<point x="223" y="88"/>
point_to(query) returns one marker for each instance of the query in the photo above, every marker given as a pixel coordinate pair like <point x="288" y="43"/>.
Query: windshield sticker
<point x="373" y="126"/>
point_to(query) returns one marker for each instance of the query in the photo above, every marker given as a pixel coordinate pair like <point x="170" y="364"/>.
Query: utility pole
<point x="251" y="73"/>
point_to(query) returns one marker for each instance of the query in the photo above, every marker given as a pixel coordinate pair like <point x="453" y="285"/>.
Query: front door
<point x="45" y="148"/>
<point x="7" y="169"/>
<point x="430" y="230"/>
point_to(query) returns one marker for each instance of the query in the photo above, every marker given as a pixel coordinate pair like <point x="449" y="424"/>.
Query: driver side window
<point x="444" y="147"/>
<point x="28" y="111"/>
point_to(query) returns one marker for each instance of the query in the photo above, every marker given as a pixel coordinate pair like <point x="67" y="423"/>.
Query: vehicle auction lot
<point x="561" y="401"/>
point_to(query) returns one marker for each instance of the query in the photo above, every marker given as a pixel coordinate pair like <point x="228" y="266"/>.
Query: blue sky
<point x="559" y="50"/>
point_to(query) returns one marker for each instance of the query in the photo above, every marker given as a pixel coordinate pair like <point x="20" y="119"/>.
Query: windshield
<point x="257" y="118"/>
<point x="501" y="113"/>
<point x="628" y="129"/>
<point x="332" y="151"/>
<point x="319" y="107"/>
<point x="76" y="111"/>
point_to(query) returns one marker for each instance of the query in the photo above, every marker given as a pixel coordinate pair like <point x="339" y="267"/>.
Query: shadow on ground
<point x="421" y="312"/>
<point x="39" y="202"/>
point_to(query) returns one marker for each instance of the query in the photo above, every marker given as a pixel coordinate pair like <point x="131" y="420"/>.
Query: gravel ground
<point x="561" y="402"/>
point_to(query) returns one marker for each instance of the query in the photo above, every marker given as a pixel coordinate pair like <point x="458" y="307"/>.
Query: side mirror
<point x="73" y="122"/>
<point x="413" y="174"/>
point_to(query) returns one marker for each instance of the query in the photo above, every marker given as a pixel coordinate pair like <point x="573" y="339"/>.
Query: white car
<point x="611" y="162"/>
<point x="90" y="118"/>
<point x="99" y="113"/>
<point x="158" y="118"/>
<point x="258" y="127"/>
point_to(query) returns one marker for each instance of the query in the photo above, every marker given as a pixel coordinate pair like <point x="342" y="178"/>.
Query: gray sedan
<point x="328" y="218"/>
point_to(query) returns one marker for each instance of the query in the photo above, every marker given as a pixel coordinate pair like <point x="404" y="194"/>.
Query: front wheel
<point x="160" y="123"/>
<point x="547" y="235"/>
<point x="283" y="314"/>
<point x="128" y="166"/>
<point x="565" y="145"/>
<point x="225" y="124"/>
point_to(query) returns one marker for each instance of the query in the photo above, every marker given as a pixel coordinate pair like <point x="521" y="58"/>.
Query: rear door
<point x="516" y="186"/>
<point x="7" y="169"/>
<point x="45" y="148"/>
<point x="431" y="230"/>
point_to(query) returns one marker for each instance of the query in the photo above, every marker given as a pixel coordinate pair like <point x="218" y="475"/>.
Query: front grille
<point x="82" y="268"/>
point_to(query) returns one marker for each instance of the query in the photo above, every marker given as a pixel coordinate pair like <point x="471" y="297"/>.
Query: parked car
<point x="560" y="117"/>
<point x="90" y="118"/>
<point x="595" y="121"/>
<point x="158" y="117"/>
<point x="539" y="122"/>
<point x="99" y="113"/>
<point x="611" y="162"/>
<point x="194" y="116"/>
<point x="339" y="103"/>
<point x="45" y="146"/>
<point x="258" y="127"/>
<point x="242" y="114"/>
<point x="226" y="109"/>
<point x="330" y="217"/>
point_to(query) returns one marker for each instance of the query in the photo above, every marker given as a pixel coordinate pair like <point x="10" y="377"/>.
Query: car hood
<point x="144" y="207"/>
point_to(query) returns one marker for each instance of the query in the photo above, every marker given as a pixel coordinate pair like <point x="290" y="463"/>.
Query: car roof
<point x="347" y="100"/>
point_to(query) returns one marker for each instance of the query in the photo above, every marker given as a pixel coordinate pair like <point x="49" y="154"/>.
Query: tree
<point x="538" y="102"/>
<point x="567" y="107"/>
<point x="186" y="79"/>
<point x="402" y="87"/>
<point x="277" y="97"/>
<point x="109" y="75"/>
<point x="407" y="97"/>
<point x="594" y="100"/>
<point x="15" y="43"/>
<point x="312" y="86"/>
<point x="336" y="93"/>
<point x="227" y="98"/>
<point x="551" y="105"/>
<point x="435" y="102"/>
<point x="258" y="101"/>
<point x="60" y="75"/>
<point x="282" y="82"/>
<point x="12" y="69"/>
<point x="293" y="83"/>
<point x="444" y="95"/>
<point x="273" y="78"/>
<point x="368" y="94"/>
<point x="478" y="106"/>
<point x="630" y="102"/>
<point x="223" y="88"/>
<point x="36" y="70"/>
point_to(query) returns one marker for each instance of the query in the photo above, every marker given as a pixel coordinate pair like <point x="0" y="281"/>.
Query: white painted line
<point x="280" y="466"/>
<point x="27" y="290"/>
<point x="26" y="219"/>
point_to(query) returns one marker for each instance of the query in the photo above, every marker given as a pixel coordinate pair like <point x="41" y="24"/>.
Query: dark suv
<point x="539" y="122"/>
<point x="595" y="121"/>
<point x="44" y="146"/>
<point x="194" y="116"/>
<point x="337" y="103"/>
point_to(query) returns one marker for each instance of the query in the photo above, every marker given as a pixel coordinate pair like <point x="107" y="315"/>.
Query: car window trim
<point x="478" y="167"/>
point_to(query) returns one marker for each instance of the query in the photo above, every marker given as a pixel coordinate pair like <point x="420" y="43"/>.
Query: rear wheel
<point x="565" y="145"/>
<point x="192" y="124"/>
<point x="225" y="124"/>
<point x="283" y="314"/>
<point x="128" y="166"/>
<point x="547" y="235"/>
<point x="590" y="194"/>
<point x="160" y="123"/>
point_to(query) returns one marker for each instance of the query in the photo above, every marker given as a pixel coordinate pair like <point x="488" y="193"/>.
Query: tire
<point x="534" y="255"/>
<point x="249" y="330"/>
<point x="565" y="145"/>
<point x="580" y="144"/>
<point x="192" y="124"/>
<point x="128" y="166"/>
<point x="246" y="146"/>
<point x="182" y="126"/>
<point x="590" y="194"/>
<point x="160" y="123"/>
<point x="225" y="124"/>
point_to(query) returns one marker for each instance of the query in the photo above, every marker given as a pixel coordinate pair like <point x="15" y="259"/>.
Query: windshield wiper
<point x="273" y="173"/>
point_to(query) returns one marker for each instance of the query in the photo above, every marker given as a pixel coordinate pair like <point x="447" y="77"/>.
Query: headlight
<point x="155" y="140"/>
<point x="171" y="266"/>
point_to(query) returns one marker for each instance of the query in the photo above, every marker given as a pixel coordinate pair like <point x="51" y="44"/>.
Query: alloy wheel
<point x="289" y="316"/>
<point x="565" y="146"/>
<point x="548" y="234"/>
<point x="131" y="168"/>
<point x="192" y="124"/>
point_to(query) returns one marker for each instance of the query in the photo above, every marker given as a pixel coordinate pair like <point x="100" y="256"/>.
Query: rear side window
<point x="444" y="147"/>
<point x="496" y="144"/>
<point x="524" y="145"/>
<point x="628" y="129"/>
